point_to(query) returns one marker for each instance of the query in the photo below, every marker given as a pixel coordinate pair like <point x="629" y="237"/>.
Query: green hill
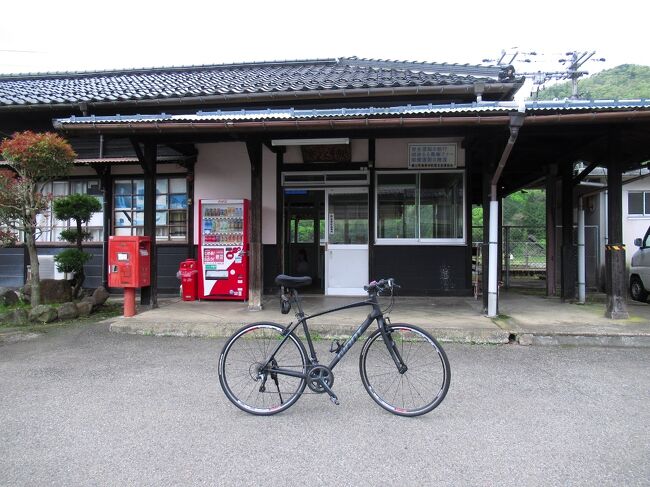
<point x="628" y="81"/>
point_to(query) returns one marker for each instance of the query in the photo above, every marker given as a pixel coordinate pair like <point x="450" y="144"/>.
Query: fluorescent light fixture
<point x="339" y="141"/>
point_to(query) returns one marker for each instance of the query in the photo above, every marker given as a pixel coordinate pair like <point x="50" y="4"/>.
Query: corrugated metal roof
<point x="396" y="111"/>
<point x="196" y="82"/>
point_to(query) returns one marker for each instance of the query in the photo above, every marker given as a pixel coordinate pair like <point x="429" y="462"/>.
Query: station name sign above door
<point x="432" y="156"/>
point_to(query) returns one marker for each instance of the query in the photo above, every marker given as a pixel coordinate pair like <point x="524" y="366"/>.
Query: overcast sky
<point x="65" y="35"/>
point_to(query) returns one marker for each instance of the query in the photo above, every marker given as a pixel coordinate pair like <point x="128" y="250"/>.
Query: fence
<point x="524" y="252"/>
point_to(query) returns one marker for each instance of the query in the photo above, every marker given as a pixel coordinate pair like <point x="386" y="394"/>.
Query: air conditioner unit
<point x="47" y="269"/>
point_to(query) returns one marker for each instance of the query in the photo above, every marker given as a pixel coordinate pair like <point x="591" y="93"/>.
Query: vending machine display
<point x="223" y="241"/>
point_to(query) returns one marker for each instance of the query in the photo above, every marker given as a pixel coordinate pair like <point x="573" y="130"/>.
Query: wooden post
<point x="255" y="263"/>
<point x="551" y="225"/>
<point x="149" y="295"/>
<point x="279" y="210"/>
<point x="615" y="249"/>
<point x="568" y="269"/>
<point x="191" y="253"/>
<point x="372" y="210"/>
<point x="107" y="188"/>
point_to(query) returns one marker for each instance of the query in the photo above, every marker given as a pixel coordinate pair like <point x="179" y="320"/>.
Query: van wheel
<point x="637" y="291"/>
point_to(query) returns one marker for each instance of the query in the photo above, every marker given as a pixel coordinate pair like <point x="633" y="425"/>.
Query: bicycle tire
<point x="239" y="369"/>
<point x="426" y="381"/>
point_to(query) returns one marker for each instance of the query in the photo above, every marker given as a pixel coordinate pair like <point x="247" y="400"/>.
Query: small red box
<point x="129" y="261"/>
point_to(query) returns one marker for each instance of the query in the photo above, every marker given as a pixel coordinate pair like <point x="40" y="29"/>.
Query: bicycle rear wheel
<point x="419" y="389"/>
<point x="245" y="381"/>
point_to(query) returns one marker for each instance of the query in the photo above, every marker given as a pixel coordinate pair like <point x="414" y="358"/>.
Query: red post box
<point x="129" y="264"/>
<point x="189" y="279"/>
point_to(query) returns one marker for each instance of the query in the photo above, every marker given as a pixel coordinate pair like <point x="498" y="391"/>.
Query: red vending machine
<point x="223" y="241"/>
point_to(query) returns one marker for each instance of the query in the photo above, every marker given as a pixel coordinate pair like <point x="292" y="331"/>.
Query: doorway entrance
<point x="326" y="238"/>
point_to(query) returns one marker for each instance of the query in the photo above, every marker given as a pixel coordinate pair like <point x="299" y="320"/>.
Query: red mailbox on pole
<point x="129" y="264"/>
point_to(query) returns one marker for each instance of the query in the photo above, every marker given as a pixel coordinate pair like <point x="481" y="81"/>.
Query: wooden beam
<point x="585" y="172"/>
<point x="255" y="261"/>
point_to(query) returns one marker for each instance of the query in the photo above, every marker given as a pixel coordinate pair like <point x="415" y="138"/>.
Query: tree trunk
<point x="30" y="241"/>
<point x="80" y="277"/>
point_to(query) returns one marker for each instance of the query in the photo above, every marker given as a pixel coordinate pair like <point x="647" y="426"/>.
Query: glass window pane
<point x="139" y="202"/>
<point x="396" y="206"/>
<point x="441" y="205"/>
<point x="138" y="218"/>
<point x="161" y="202"/>
<point x="138" y="231"/>
<point x="177" y="201"/>
<point x="161" y="218"/>
<point x="162" y="233"/>
<point x="161" y="186"/>
<point x="78" y="187"/>
<point x="177" y="217"/>
<point x="177" y="231"/>
<point x="59" y="188"/>
<point x="178" y="185"/>
<point x="635" y="203"/>
<point x="138" y="185"/>
<point x="646" y="210"/>
<point x="305" y="231"/>
<point x="123" y="231"/>
<point x="348" y="218"/>
<point x="122" y="219"/>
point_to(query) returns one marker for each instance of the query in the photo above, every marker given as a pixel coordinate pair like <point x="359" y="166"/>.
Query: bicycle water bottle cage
<point x="336" y="346"/>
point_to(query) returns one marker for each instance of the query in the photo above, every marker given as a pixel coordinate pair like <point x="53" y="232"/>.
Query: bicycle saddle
<point x="291" y="281"/>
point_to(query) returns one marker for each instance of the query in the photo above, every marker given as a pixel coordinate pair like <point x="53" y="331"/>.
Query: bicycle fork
<point x="392" y="347"/>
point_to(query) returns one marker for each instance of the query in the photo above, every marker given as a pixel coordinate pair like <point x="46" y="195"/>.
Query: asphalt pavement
<point x="83" y="406"/>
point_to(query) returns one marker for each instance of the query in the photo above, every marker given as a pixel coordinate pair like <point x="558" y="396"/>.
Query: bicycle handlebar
<point x="382" y="285"/>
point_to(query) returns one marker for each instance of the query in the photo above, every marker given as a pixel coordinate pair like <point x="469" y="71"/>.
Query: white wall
<point x="222" y="171"/>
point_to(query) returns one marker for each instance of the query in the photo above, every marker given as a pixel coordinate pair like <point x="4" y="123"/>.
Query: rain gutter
<point x="340" y="123"/>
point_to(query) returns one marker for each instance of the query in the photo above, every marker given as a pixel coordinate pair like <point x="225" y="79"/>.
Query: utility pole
<point x="572" y="61"/>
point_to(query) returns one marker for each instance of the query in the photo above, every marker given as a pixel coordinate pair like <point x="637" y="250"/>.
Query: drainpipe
<point x="581" y="252"/>
<point x="516" y="121"/>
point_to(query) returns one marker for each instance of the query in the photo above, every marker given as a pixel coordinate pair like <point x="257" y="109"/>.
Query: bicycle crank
<point x="321" y="379"/>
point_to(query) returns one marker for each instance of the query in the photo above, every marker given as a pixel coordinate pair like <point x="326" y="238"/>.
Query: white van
<point x="640" y="269"/>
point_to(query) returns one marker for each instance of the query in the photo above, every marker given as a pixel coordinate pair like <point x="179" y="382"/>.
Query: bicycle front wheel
<point x="418" y="389"/>
<point x="250" y="385"/>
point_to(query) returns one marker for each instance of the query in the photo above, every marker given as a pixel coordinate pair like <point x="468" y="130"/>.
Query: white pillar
<point x="493" y="259"/>
<point x="582" y="277"/>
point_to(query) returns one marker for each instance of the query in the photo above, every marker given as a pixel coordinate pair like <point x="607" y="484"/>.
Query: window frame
<point x="160" y="239"/>
<point x="55" y="241"/>
<point x="419" y="240"/>
<point x="646" y="211"/>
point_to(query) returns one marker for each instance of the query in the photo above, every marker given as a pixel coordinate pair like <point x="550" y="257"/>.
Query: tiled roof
<point x="269" y="78"/>
<point x="529" y="107"/>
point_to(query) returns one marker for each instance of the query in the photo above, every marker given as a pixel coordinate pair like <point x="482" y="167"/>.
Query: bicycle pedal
<point x="335" y="400"/>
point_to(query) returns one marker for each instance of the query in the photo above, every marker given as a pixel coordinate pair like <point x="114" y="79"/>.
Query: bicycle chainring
<point x="318" y="373"/>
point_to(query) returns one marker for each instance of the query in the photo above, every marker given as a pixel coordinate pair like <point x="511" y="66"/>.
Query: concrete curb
<point x="17" y="336"/>
<point x="318" y="330"/>
<point x="583" y="340"/>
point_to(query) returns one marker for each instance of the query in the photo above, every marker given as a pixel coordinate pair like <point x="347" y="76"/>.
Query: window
<point x="51" y="227"/>
<point x="638" y="203"/>
<point x="171" y="208"/>
<point x="420" y="207"/>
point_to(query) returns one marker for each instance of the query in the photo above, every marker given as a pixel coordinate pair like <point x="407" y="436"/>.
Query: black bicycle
<point x="264" y="367"/>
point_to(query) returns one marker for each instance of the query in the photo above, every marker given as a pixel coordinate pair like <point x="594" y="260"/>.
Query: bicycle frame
<point x="375" y="314"/>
